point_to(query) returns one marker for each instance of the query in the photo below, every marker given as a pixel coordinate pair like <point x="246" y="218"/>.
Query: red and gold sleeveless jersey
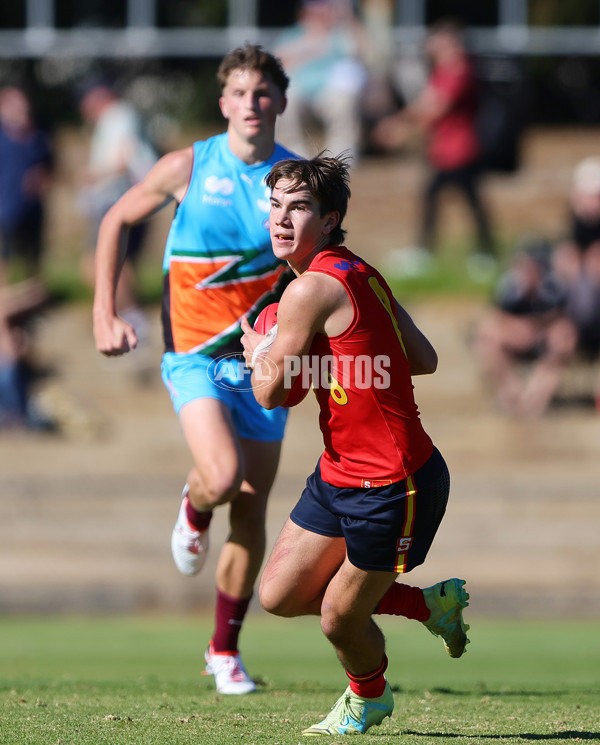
<point x="368" y="416"/>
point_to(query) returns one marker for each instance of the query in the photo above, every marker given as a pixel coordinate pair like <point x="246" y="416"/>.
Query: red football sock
<point x="404" y="600"/>
<point x="229" y="615"/>
<point x="370" y="685"/>
<point x="198" y="520"/>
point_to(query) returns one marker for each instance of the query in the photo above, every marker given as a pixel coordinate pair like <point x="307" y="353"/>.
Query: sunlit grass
<point x="138" y="680"/>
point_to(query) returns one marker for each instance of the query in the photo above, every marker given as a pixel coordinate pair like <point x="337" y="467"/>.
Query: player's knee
<point x="273" y="602"/>
<point x="279" y="600"/>
<point x="222" y="492"/>
<point x="335" y="627"/>
<point x="216" y="488"/>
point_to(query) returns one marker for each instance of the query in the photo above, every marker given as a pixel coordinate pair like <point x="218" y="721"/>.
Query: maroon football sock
<point x="198" y="520"/>
<point x="229" y="615"/>
<point x="370" y="685"/>
<point x="404" y="600"/>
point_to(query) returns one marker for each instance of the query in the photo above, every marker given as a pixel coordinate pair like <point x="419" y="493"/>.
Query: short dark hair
<point x="327" y="179"/>
<point x="253" y="57"/>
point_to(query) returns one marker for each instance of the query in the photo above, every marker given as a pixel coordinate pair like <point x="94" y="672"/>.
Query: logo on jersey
<point x="217" y="191"/>
<point x="233" y="271"/>
<point x="216" y="185"/>
<point x="347" y="266"/>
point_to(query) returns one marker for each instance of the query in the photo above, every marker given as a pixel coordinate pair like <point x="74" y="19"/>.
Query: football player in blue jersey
<point x="218" y="268"/>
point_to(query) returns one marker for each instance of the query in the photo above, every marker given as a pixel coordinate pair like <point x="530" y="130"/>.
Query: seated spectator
<point x="577" y="258"/>
<point x="527" y="324"/>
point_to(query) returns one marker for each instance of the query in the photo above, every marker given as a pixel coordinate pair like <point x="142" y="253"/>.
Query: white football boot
<point x="230" y="674"/>
<point x="188" y="545"/>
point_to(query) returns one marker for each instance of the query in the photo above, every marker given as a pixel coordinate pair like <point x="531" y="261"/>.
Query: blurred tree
<point x="275" y="14"/>
<point x="12" y="15"/>
<point x="560" y="13"/>
<point x="465" y="11"/>
<point x="113" y="13"/>
<point x="185" y="13"/>
<point x="89" y="13"/>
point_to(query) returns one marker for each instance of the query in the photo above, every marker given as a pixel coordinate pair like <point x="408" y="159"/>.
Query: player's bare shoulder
<point x="323" y="299"/>
<point x="171" y="175"/>
<point x="315" y="288"/>
<point x="330" y="287"/>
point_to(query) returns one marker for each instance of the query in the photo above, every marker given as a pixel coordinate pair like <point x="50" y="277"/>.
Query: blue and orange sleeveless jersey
<point x="368" y="416"/>
<point x="218" y="264"/>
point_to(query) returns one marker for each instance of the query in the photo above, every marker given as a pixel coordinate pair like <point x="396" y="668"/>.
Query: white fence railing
<point x="141" y="36"/>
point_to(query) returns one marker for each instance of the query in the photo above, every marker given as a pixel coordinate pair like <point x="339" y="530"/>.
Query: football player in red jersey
<point x="371" y="509"/>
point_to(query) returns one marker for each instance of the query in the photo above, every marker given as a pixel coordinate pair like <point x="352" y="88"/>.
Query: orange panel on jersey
<point x="201" y="315"/>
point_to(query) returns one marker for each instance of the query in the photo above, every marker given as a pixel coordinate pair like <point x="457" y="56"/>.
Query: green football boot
<point x="446" y="601"/>
<point x="353" y="715"/>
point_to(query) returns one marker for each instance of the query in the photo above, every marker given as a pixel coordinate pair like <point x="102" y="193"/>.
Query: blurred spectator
<point x="528" y="325"/>
<point x="322" y="55"/>
<point x="120" y="156"/>
<point x="25" y="174"/>
<point x="381" y="94"/>
<point x="577" y="258"/>
<point x="446" y="112"/>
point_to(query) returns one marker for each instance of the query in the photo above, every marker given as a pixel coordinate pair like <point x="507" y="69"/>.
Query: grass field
<point x="138" y="680"/>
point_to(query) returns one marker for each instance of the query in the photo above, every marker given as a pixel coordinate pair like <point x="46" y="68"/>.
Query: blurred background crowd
<point x="92" y="93"/>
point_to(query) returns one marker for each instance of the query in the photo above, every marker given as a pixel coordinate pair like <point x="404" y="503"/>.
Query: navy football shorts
<point x="386" y="528"/>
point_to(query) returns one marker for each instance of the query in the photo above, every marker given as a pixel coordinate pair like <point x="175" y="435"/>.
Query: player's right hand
<point x="249" y="341"/>
<point x="114" y="336"/>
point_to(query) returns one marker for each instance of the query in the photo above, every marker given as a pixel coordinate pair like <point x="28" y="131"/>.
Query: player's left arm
<point x="421" y="354"/>
<point x="304" y="309"/>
